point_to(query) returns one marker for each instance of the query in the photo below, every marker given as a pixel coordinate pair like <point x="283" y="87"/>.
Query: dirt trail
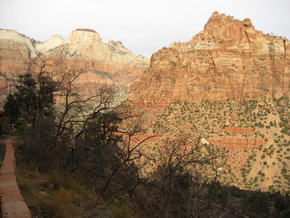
<point x="12" y="203"/>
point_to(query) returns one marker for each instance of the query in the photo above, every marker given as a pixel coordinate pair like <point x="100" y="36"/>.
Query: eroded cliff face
<point x="16" y="51"/>
<point x="229" y="59"/>
<point x="83" y="51"/>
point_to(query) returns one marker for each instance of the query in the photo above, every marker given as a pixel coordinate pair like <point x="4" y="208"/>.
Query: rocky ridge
<point x="83" y="51"/>
<point x="229" y="59"/>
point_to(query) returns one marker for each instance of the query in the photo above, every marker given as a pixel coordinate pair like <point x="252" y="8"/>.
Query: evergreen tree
<point x="32" y="100"/>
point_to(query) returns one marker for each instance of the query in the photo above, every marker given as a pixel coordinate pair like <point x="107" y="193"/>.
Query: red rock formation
<point x="233" y="142"/>
<point x="229" y="59"/>
<point x="240" y="130"/>
<point x="88" y="30"/>
<point x="83" y="51"/>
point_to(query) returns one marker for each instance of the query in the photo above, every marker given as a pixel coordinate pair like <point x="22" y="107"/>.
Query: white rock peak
<point x="53" y="42"/>
<point x="19" y="38"/>
<point x="81" y="36"/>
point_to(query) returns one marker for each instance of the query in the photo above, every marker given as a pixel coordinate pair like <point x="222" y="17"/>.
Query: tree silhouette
<point x="32" y="100"/>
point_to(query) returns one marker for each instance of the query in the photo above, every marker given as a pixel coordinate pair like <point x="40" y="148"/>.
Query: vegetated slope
<point x="256" y="134"/>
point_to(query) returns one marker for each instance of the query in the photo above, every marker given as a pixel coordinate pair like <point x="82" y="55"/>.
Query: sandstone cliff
<point x="16" y="51"/>
<point x="83" y="51"/>
<point x="229" y="59"/>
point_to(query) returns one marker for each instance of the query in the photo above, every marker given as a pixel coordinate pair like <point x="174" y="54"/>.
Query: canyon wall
<point x="83" y="51"/>
<point x="229" y="59"/>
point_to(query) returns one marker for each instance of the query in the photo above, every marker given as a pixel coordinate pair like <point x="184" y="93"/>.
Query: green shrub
<point x="63" y="203"/>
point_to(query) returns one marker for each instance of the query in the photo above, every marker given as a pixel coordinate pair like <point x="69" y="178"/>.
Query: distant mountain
<point x="82" y="51"/>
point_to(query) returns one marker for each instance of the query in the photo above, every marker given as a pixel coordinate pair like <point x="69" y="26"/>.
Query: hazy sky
<point x="144" y="26"/>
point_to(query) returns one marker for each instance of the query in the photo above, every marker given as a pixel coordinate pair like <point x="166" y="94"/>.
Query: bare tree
<point x="180" y="175"/>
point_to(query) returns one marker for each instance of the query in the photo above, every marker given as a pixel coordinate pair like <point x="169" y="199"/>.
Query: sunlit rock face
<point x="83" y="51"/>
<point x="229" y="59"/>
<point x="15" y="52"/>
<point x="50" y="44"/>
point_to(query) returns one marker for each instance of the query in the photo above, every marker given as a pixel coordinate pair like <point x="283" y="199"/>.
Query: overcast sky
<point x="144" y="26"/>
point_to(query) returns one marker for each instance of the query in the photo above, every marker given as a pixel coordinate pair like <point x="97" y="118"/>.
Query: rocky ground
<point x="254" y="133"/>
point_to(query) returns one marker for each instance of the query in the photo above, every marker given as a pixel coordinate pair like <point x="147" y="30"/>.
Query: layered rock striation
<point x="229" y="59"/>
<point x="83" y="51"/>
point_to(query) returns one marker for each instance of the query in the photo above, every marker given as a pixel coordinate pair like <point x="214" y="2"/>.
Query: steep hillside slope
<point x="255" y="134"/>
